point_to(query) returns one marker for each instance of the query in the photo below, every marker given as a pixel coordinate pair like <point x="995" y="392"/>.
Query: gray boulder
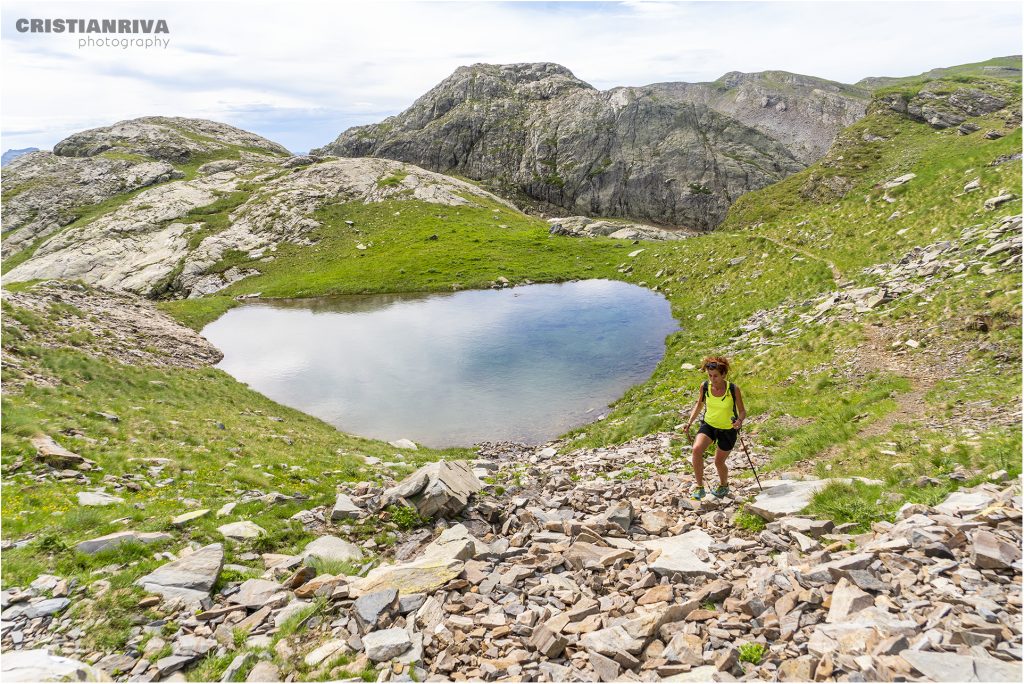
<point x="455" y="542"/>
<point x="442" y="488"/>
<point x="345" y="508"/>
<point x="255" y="593"/>
<point x="373" y="610"/>
<point x="991" y="552"/>
<point x="241" y="530"/>
<point x="965" y="502"/>
<point x="386" y="644"/>
<point x="98" y="499"/>
<point x="332" y="549"/>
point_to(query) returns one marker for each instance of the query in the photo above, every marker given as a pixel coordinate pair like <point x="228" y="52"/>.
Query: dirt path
<point x="878" y="353"/>
<point x="837" y="276"/>
<point x="910" y="405"/>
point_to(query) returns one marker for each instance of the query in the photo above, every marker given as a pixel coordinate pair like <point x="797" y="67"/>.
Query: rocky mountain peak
<point x="470" y="85"/>
<point x="172" y="139"/>
<point x="517" y="75"/>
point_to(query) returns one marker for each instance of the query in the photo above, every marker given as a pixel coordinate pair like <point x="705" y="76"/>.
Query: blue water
<point x="524" y="364"/>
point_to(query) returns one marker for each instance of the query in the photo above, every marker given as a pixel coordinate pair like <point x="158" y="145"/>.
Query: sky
<point x="300" y="72"/>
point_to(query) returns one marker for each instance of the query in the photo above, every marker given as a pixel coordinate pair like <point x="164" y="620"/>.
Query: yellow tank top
<point x="718" y="410"/>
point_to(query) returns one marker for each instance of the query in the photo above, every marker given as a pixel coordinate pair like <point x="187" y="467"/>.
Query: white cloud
<point x="301" y="72"/>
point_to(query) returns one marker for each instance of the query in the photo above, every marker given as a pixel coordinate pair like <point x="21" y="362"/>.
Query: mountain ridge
<point x="538" y="134"/>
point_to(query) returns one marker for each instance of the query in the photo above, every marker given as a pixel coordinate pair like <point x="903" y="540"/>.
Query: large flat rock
<point x="964" y="503"/>
<point x="110" y="541"/>
<point x="98" y="499"/>
<point x="241" y="530"/>
<point x="950" y="667"/>
<point x="455" y="542"/>
<point x="678" y="554"/>
<point x="38" y="665"/>
<point x="255" y="593"/>
<point x="422" y="576"/>
<point x="330" y="548"/>
<point x="191" y="577"/>
<point x="386" y="644"/>
<point x="781" y="498"/>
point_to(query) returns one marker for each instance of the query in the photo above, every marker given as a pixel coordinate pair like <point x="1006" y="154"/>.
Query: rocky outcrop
<point x="105" y="324"/>
<point x="1008" y="67"/>
<point x="582" y="226"/>
<point x="939" y="108"/>
<point x="152" y="244"/>
<point x="45" y="191"/>
<point x="536" y="131"/>
<point x="986" y="248"/>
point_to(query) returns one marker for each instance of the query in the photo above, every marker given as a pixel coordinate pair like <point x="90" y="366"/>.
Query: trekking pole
<point x="743" y="443"/>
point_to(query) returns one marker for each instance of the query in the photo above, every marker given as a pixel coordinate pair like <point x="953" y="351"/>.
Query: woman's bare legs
<point x="721" y="467"/>
<point x="700" y="445"/>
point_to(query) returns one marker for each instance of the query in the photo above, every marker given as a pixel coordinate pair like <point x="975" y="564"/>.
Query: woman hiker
<point x="720" y="424"/>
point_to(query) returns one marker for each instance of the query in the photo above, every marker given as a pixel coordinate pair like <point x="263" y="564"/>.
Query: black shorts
<point x="726" y="439"/>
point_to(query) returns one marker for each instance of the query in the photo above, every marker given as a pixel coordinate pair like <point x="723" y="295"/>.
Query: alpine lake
<point x="522" y="364"/>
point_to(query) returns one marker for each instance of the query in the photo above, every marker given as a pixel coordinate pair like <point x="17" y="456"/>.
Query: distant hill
<point x="998" y="67"/>
<point x="11" y="155"/>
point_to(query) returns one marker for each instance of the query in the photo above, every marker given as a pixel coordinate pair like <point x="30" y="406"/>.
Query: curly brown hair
<point x="720" y="361"/>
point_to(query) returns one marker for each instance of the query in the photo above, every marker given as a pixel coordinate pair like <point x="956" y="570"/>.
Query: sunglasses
<point x="713" y="366"/>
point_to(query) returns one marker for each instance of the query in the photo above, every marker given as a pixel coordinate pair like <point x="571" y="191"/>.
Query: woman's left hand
<point x="738" y="423"/>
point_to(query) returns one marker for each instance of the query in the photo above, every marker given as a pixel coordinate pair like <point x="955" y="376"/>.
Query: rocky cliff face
<point x="144" y="226"/>
<point x="536" y="132"/>
<point x="675" y="154"/>
<point x="802" y="112"/>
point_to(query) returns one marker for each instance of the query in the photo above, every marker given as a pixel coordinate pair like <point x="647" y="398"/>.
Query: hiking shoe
<point x="698" y="493"/>
<point x="720" y="491"/>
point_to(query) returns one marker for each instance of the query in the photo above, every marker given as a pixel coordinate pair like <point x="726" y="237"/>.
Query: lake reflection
<point x="524" y="364"/>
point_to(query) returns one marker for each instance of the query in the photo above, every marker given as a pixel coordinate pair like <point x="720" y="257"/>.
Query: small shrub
<point x="751" y="653"/>
<point x="406" y="517"/>
<point x="325" y="566"/>
<point x="392" y="180"/>
<point x="748" y="521"/>
<point x="51" y="543"/>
